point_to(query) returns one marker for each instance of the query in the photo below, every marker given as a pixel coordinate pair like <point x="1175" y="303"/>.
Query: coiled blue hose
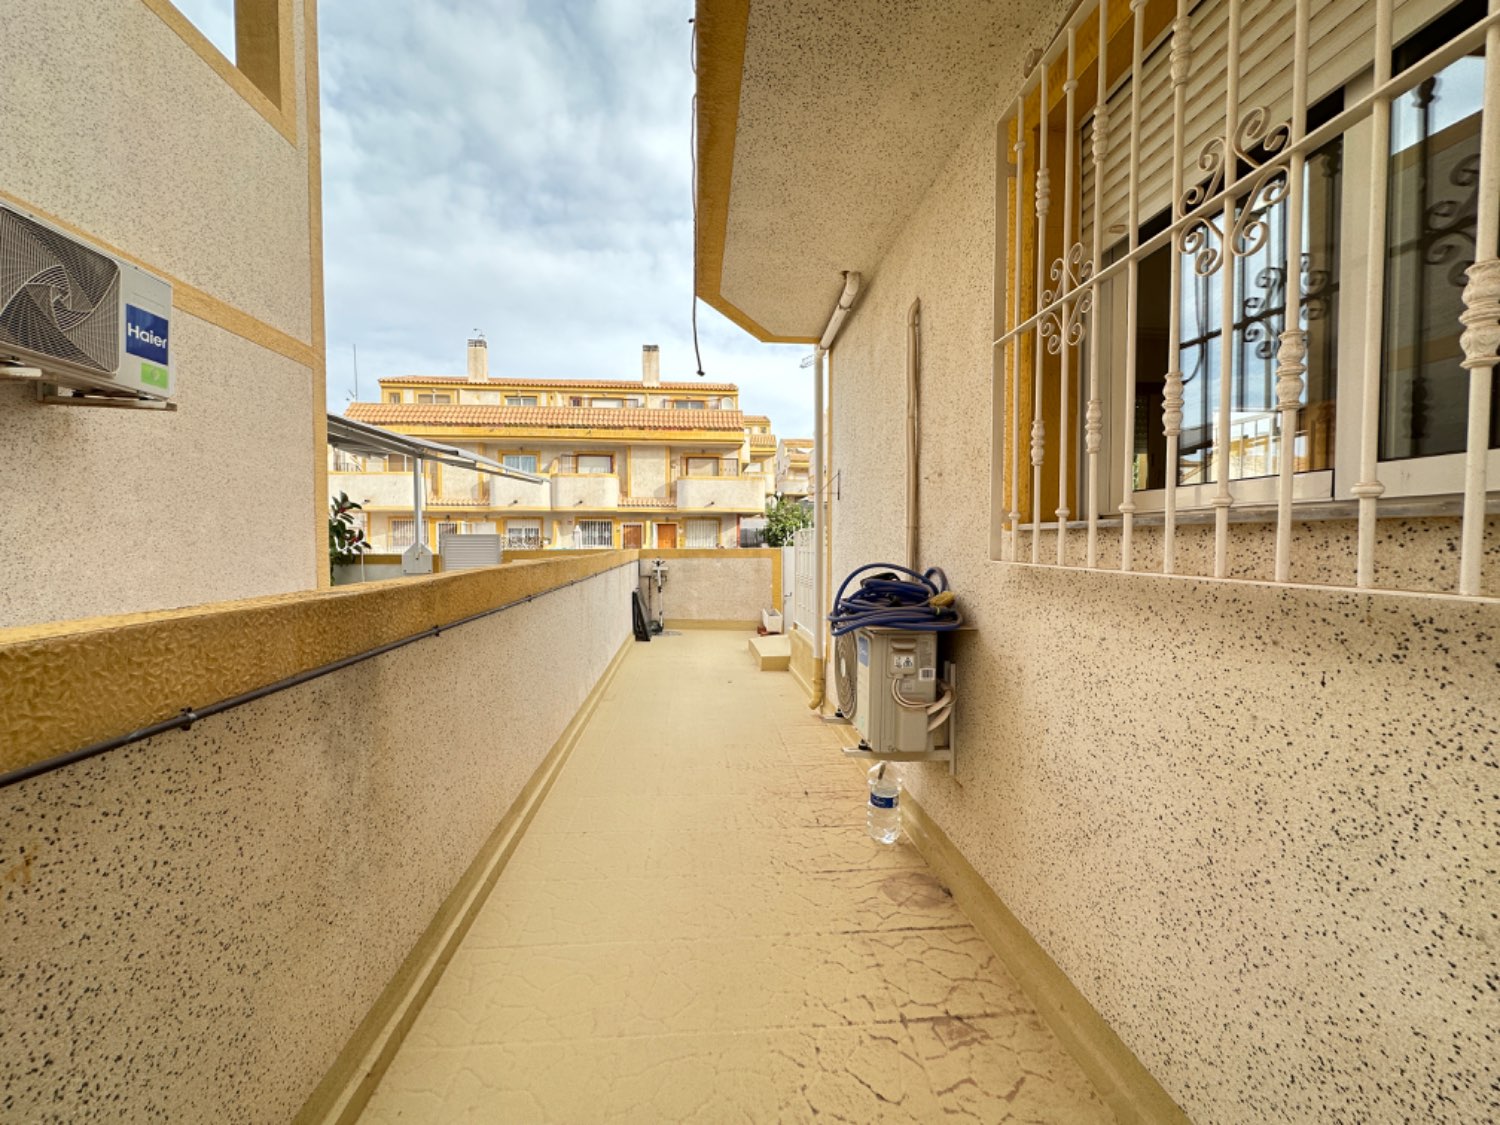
<point x="889" y="602"/>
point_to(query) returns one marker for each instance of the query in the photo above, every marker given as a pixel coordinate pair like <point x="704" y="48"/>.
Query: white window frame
<point x="585" y="530"/>
<point x="524" y="541"/>
<point x="701" y="526"/>
<point x="520" y="400"/>
<point x="1441" y="476"/>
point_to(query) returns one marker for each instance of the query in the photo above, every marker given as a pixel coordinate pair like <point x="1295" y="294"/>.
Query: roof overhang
<point x="821" y="125"/>
<point x="365" y="440"/>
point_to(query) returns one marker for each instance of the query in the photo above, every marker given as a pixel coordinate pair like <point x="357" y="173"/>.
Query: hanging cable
<point x="693" y="146"/>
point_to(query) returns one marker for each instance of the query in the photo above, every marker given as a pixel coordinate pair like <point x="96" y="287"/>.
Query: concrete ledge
<point x="69" y="685"/>
<point x="1135" y="1097"/>
<point x="697" y="623"/>
<point x="772" y="653"/>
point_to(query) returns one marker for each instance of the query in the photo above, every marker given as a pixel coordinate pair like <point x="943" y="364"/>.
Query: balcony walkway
<point x="696" y="928"/>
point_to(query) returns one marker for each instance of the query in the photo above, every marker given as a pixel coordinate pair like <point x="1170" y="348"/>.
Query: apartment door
<point x="630" y="535"/>
<point x="666" y="535"/>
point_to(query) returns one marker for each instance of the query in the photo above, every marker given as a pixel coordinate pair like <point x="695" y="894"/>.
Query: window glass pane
<point x="702" y="466"/>
<point x="1259" y="282"/>
<point x="595" y="463"/>
<point x="685" y="404"/>
<point x="523" y="535"/>
<point x="520" y="400"/>
<point x="595" y="533"/>
<point x="1430" y="229"/>
<point x="403" y="533"/>
<point x="525" y="462"/>
<point x="702" y="533"/>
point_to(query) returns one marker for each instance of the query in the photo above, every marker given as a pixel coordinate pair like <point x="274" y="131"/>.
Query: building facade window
<point x="403" y="533"/>
<point x="520" y="400"/>
<point x="523" y="534"/>
<point x="435" y="398"/>
<point x="1200" y="278"/>
<point x="594" y="533"/>
<point x="702" y="533"/>
<point x="525" y="462"/>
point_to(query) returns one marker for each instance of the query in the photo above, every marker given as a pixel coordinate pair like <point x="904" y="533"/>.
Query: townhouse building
<point x="625" y="463"/>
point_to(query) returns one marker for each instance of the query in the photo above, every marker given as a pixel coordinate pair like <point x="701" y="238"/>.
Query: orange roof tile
<point x="757" y="419"/>
<point x="494" y="382"/>
<point x="646" y="502"/>
<point x="762" y="441"/>
<point x="542" y="417"/>
<point x="798" y="442"/>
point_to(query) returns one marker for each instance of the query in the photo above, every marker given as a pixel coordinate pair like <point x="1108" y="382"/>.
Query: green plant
<point x="784" y="517"/>
<point x="346" y="541"/>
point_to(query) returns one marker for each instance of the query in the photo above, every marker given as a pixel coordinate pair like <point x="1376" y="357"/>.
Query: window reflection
<point x="1433" y="210"/>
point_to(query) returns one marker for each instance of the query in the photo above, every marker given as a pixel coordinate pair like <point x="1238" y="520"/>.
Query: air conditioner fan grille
<point x="57" y="297"/>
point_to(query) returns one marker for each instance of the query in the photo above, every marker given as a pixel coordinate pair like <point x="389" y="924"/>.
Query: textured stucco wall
<point x="733" y="588"/>
<point x="194" y="926"/>
<point x="114" y="125"/>
<point x="115" y="511"/>
<point x="1254" y="826"/>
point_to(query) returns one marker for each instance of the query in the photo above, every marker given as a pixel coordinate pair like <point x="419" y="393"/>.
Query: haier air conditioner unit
<point x="87" y="320"/>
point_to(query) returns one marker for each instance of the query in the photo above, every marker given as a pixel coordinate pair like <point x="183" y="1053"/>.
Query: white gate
<point x="803" y="610"/>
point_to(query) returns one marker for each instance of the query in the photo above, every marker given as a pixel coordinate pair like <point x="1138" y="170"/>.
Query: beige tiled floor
<point x="696" y="928"/>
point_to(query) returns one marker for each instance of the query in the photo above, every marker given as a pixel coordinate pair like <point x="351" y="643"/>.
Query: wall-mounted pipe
<point x="835" y="322"/>
<point x="913" y="416"/>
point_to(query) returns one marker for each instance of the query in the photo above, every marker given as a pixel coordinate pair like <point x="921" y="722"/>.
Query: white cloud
<point x="521" y="168"/>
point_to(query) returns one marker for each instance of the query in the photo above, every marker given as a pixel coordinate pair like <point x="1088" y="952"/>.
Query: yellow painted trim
<point x="347" y="1086"/>
<point x="720" y="30"/>
<point x="71" y="684"/>
<point x="1121" y="1080"/>
<point x="319" y="363"/>
<point x="256" y="21"/>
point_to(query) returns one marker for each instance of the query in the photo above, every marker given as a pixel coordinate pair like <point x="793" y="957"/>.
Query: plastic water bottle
<point x="883" y="817"/>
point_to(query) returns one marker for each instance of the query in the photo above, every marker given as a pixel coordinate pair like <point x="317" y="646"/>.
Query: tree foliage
<point x="784" y="517"/>
<point x="346" y="542"/>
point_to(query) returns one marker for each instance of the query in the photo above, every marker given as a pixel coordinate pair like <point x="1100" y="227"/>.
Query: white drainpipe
<point x="835" y="322"/>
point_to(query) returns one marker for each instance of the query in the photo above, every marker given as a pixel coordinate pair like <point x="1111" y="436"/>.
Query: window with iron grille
<point x="403" y="533"/>
<point x="523" y="535"/>
<point x="1187" y="264"/>
<point x="595" y="533"/>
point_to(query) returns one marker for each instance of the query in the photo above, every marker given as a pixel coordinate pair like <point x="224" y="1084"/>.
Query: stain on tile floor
<point x="696" y="928"/>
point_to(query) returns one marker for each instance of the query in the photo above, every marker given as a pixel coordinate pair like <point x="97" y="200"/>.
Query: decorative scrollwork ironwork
<point x="1070" y="273"/>
<point x="1204" y="242"/>
<point x="1252" y="227"/>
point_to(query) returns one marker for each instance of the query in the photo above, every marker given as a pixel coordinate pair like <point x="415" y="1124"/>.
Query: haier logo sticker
<point x="145" y="334"/>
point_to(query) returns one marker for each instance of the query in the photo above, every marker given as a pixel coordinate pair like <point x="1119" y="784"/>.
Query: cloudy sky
<point x="522" y="168"/>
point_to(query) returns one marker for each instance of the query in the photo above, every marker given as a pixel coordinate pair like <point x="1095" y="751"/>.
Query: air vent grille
<point x="58" y="299"/>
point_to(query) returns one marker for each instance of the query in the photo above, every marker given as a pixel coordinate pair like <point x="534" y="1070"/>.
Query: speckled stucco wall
<point x="115" y="511"/>
<point x="1255" y="826"/>
<point x="119" y="129"/>
<point x="193" y="927"/>
<point x="734" y="588"/>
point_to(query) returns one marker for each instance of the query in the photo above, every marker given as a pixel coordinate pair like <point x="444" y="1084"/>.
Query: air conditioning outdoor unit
<point x="86" y="319"/>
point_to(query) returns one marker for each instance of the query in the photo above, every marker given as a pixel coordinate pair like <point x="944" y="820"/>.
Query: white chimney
<point x="651" y="365"/>
<point x="479" y="360"/>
